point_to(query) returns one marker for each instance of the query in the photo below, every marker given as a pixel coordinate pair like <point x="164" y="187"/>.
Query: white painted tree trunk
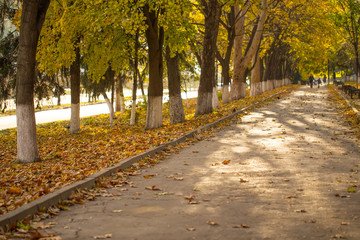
<point x="215" y="98"/>
<point x="154" y="112"/>
<point x="133" y="113"/>
<point x="26" y="134"/>
<point x="122" y="104"/>
<point x="75" y="118"/>
<point x="255" y="88"/>
<point x="111" y="109"/>
<point x="225" y="94"/>
<point x="207" y="101"/>
<point x="176" y="109"/>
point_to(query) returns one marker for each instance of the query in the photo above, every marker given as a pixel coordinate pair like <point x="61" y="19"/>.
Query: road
<point x="64" y="114"/>
<point x="281" y="172"/>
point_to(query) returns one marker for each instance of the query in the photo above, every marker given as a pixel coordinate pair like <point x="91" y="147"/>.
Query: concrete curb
<point x="347" y="101"/>
<point x="53" y="198"/>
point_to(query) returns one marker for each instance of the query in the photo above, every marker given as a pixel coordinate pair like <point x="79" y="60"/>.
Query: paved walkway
<point x="85" y="111"/>
<point x="281" y="172"/>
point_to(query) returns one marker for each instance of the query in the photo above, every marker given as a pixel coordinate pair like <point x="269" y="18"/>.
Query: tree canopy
<point x="115" y="38"/>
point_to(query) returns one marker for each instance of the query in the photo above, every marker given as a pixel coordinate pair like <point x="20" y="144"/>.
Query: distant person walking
<point x="324" y="80"/>
<point x="319" y="82"/>
<point x="311" y="80"/>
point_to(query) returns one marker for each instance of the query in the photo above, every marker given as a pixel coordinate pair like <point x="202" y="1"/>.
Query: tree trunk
<point x="177" y="114"/>
<point x="225" y="62"/>
<point x="141" y="82"/>
<point x="237" y="90"/>
<point x="110" y="106"/>
<point x="112" y="91"/>
<point x="120" y="103"/>
<point x="32" y="19"/>
<point x="238" y="87"/>
<point x="135" y="80"/>
<point x="256" y="76"/>
<point x="225" y="87"/>
<point x="205" y="95"/>
<point x="75" y="92"/>
<point x="356" y="62"/>
<point x="155" y="38"/>
<point x="215" y="97"/>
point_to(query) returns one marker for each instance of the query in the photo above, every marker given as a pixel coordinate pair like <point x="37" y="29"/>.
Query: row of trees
<point x="106" y="40"/>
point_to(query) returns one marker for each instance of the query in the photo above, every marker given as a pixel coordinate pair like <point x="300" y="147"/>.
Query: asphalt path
<point x="288" y="170"/>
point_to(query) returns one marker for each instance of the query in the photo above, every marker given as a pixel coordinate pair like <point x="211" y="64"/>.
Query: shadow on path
<point x="281" y="172"/>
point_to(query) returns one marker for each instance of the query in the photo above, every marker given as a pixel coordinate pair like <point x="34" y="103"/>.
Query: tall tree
<point x="228" y="23"/>
<point x="119" y="98"/>
<point x="155" y="38"/>
<point x="241" y="62"/>
<point x="106" y="84"/>
<point x="135" y="64"/>
<point x="177" y="114"/>
<point x="256" y="76"/>
<point x="75" y="92"/>
<point x="211" y="11"/>
<point x="238" y="49"/>
<point x="349" y="19"/>
<point x="8" y="47"/>
<point x="32" y="19"/>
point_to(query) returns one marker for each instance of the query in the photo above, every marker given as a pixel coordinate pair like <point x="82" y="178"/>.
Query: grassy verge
<point x="343" y="107"/>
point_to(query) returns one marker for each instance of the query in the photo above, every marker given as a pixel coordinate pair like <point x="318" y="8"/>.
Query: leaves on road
<point x="108" y="235"/>
<point x="241" y="226"/>
<point x="153" y="188"/>
<point x="212" y="223"/>
<point x="68" y="158"/>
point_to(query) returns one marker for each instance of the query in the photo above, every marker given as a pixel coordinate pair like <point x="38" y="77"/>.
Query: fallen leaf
<point x="241" y="226"/>
<point x="195" y="151"/>
<point x="191" y="229"/>
<point x="243" y="180"/>
<point x="212" y="223"/>
<point x="117" y="211"/>
<point x="193" y="202"/>
<point x="226" y="162"/>
<point x="178" y="178"/>
<point x="109" y="235"/>
<point x="291" y="196"/>
<point x="14" y="190"/>
<point x="344" y="223"/>
<point x="301" y="211"/>
<point x="153" y="188"/>
<point x="41" y="225"/>
<point x="149" y="176"/>
<point x="351" y="190"/>
<point x="191" y="197"/>
<point x="215" y="164"/>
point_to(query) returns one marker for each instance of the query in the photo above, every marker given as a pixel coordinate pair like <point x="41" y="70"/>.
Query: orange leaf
<point x="14" y="190"/>
<point x="226" y="162"/>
